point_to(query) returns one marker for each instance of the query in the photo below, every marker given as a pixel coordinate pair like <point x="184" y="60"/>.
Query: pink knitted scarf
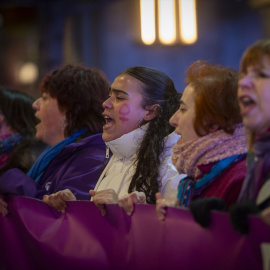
<point x="207" y="149"/>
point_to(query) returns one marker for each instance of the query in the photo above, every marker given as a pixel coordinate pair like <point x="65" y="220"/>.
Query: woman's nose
<point x="35" y="105"/>
<point x="245" y="81"/>
<point x="173" y="120"/>
<point x="107" y="103"/>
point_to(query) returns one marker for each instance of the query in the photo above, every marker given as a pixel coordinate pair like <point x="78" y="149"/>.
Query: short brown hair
<point x="253" y="55"/>
<point x="215" y="97"/>
<point x="80" y="92"/>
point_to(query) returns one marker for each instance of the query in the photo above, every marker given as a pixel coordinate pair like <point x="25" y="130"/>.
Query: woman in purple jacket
<point x="70" y="114"/>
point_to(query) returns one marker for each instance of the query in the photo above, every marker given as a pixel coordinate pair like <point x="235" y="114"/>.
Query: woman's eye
<point x="263" y="75"/>
<point x="181" y="109"/>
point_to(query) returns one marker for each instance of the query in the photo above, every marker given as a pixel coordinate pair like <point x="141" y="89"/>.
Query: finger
<point x="133" y="197"/>
<point x="161" y="216"/>
<point x="55" y="201"/>
<point x="140" y="197"/>
<point x="161" y="212"/>
<point x="130" y="206"/>
<point x="46" y="199"/>
<point x="121" y="202"/>
<point x="67" y="195"/>
<point x="60" y="202"/>
<point x="158" y="196"/>
<point x="92" y="192"/>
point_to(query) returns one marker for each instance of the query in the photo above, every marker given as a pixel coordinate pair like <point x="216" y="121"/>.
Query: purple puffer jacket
<point x="77" y="167"/>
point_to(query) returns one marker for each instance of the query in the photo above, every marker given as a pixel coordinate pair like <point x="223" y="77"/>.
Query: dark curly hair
<point x="16" y="107"/>
<point x="157" y="88"/>
<point x="80" y="92"/>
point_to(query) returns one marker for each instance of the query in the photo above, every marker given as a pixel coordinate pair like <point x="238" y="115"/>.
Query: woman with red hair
<point x="212" y="148"/>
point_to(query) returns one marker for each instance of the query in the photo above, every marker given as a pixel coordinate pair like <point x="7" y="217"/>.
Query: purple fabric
<point x="77" y="167"/>
<point x="259" y="168"/>
<point x="35" y="236"/>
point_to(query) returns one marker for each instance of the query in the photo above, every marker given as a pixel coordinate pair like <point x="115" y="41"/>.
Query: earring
<point x="64" y="124"/>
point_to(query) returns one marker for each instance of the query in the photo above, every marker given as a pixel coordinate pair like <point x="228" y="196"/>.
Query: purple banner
<point x="35" y="236"/>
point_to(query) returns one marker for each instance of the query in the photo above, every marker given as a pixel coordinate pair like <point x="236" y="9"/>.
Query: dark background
<point x="104" y="34"/>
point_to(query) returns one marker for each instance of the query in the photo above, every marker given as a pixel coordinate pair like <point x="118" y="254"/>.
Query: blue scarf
<point x="7" y="145"/>
<point x="188" y="188"/>
<point x="38" y="168"/>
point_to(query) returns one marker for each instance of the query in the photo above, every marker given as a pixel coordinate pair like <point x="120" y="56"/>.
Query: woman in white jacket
<point x="137" y="131"/>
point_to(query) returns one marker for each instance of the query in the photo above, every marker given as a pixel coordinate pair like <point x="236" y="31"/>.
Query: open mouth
<point x="108" y="121"/>
<point x="246" y="105"/>
<point x="37" y="120"/>
<point x="246" y="101"/>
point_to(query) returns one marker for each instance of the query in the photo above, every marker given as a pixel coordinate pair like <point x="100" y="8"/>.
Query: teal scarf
<point x="188" y="188"/>
<point x="37" y="170"/>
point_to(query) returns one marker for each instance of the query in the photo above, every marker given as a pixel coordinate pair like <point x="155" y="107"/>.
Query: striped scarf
<point x="218" y="147"/>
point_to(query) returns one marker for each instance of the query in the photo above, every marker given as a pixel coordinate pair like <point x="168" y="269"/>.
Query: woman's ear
<point x="151" y="112"/>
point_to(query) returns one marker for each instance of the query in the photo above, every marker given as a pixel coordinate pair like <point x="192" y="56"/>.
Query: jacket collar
<point x="127" y="145"/>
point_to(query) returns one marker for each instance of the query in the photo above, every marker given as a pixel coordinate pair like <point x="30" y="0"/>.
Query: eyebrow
<point x="117" y="91"/>
<point x="182" y="102"/>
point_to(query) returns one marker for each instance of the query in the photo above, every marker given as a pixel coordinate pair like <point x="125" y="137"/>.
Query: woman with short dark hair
<point x="70" y="122"/>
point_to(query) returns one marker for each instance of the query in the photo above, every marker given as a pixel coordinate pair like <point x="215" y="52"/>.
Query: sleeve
<point x="16" y="182"/>
<point x="79" y="173"/>
<point x="169" y="178"/>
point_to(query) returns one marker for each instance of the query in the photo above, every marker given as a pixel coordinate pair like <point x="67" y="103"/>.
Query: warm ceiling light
<point x="28" y="73"/>
<point x="166" y="18"/>
<point x="188" y="23"/>
<point x="148" y="33"/>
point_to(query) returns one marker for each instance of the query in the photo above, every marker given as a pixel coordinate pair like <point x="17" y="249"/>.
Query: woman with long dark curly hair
<point x="137" y="131"/>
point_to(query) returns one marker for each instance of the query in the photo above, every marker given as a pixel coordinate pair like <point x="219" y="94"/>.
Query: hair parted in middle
<point x="159" y="89"/>
<point x="80" y="92"/>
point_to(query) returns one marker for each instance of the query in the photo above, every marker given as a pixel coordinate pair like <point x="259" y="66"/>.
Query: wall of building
<point x="104" y="34"/>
